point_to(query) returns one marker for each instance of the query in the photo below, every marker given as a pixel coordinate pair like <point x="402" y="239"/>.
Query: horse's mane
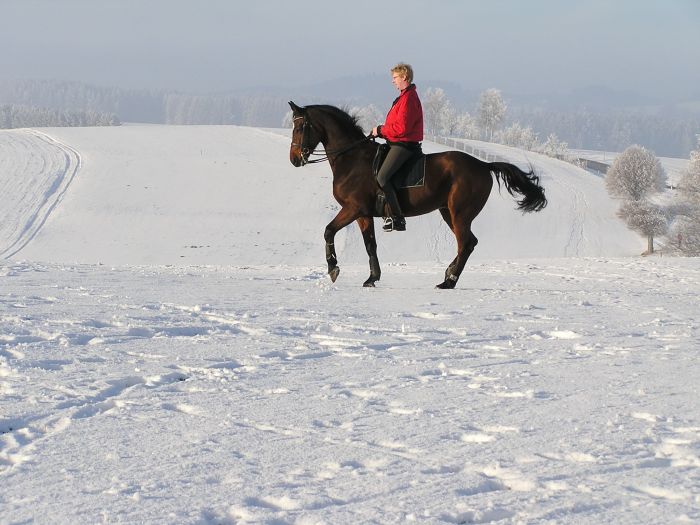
<point x="346" y="119"/>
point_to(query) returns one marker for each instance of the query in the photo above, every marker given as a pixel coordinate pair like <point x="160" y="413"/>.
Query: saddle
<point x="410" y="175"/>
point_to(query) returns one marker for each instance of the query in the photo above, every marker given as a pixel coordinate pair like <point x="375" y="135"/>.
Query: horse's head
<point x="304" y="137"/>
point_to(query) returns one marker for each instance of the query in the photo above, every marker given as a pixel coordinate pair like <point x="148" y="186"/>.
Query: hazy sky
<point x="650" y="46"/>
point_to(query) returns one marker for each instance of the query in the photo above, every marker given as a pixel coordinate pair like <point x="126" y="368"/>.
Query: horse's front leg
<point x="367" y="228"/>
<point x="345" y="216"/>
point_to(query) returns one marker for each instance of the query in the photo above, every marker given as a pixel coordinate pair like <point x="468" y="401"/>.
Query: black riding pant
<point x="395" y="158"/>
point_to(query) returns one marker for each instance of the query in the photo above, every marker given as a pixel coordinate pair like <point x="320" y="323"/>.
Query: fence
<point x="467" y="148"/>
<point x="595" y="166"/>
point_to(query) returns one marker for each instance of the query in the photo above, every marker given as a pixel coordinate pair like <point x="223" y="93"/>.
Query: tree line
<point x="486" y="123"/>
<point x="670" y="134"/>
<point x="18" y="116"/>
<point x="492" y="120"/>
<point x="134" y="105"/>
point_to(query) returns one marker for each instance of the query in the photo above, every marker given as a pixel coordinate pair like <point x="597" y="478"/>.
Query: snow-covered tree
<point x="434" y="102"/>
<point x="553" y="147"/>
<point x="517" y="136"/>
<point x="635" y="174"/>
<point x="288" y="120"/>
<point x="467" y="127"/>
<point x="367" y="116"/>
<point x="621" y="135"/>
<point x="14" y="116"/>
<point x="684" y="234"/>
<point x="686" y="227"/>
<point x="491" y="111"/>
<point x="449" y="120"/>
<point x="645" y="218"/>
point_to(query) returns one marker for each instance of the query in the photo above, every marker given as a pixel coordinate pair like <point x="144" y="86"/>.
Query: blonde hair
<point x="405" y="70"/>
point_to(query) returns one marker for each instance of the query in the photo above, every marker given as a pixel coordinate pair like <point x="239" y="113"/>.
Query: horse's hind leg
<point x="466" y="242"/>
<point x="367" y="228"/>
<point x="445" y="212"/>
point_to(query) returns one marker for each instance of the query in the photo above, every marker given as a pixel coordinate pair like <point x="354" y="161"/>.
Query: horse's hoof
<point x="333" y="273"/>
<point x="368" y="284"/>
<point x="449" y="284"/>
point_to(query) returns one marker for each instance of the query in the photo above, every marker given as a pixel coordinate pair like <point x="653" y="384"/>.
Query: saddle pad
<point x="411" y="174"/>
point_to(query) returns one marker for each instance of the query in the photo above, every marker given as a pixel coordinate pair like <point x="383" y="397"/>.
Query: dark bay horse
<point x="456" y="184"/>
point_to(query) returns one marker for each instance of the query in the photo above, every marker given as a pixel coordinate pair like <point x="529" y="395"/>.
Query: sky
<point x="535" y="46"/>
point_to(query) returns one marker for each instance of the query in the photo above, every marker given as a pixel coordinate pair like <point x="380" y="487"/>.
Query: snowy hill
<point x="210" y="373"/>
<point x="228" y="195"/>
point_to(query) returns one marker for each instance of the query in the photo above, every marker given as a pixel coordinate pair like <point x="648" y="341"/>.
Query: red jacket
<point x="404" y="122"/>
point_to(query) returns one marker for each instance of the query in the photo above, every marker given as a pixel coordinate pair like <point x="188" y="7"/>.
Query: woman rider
<point x="403" y="131"/>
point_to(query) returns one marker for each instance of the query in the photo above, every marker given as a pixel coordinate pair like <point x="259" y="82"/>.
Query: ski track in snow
<point x="37" y="171"/>
<point x="540" y="391"/>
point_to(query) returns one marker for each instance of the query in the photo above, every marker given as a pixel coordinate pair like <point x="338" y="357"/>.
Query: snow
<point x="171" y="350"/>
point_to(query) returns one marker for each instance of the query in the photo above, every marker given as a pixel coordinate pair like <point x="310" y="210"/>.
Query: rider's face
<point x="399" y="81"/>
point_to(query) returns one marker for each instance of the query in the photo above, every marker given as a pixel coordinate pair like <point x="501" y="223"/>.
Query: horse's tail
<point x="518" y="181"/>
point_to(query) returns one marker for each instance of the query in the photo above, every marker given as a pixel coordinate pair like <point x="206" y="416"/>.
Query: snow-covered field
<point x="171" y="350"/>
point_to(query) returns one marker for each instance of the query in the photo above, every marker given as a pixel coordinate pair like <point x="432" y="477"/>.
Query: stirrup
<point x="394" y="223"/>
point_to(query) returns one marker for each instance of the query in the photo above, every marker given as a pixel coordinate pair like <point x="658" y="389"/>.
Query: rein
<point x="306" y="151"/>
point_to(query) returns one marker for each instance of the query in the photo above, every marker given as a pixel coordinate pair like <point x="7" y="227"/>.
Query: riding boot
<point x="396" y="221"/>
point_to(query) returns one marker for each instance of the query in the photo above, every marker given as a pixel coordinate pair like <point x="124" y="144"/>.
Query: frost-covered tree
<point x="686" y="227"/>
<point x="621" y="135"/>
<point x="684" y="234"/>
<point x="14" y="116"/>
<point x="645" y="218"/>
<point x="517" y="136"/>
<point x="434" y="103"/>
<point x="367" y="116"/>
<point x="553" y="147"/>
<point x="634" y="176"/>
<point x="288" y="120"/>
<point x="467" y="127"/>
<point x="449" y="120"/>
<point x="491" y="112"/>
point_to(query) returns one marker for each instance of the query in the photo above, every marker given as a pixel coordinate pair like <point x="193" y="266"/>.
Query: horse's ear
<point x="295" y="108"/>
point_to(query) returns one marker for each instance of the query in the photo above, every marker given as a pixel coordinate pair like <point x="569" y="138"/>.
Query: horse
<point x="456" y="184"/>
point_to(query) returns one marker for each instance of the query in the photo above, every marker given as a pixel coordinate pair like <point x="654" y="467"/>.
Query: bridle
<point x="304" y="146"/>
<point x="306" y="150"/>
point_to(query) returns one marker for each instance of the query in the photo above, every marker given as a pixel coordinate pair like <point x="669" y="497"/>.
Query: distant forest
<point x="22" y="116"/>
<point x="145" y="106"/>
<point x="665" y="135"/>
<point x="58" y="103"/>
